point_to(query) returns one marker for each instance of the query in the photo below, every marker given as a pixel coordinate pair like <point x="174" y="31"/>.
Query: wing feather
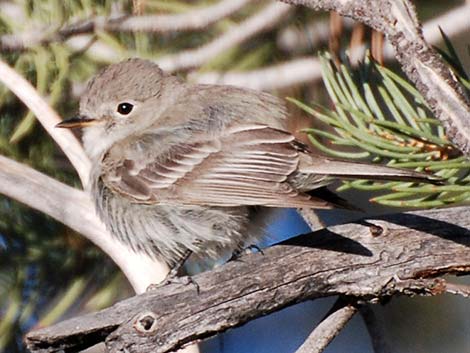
<point x="246" y="165"/>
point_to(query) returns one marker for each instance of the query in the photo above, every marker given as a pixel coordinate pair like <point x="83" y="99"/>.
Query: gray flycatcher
<point x="181" y="167"/>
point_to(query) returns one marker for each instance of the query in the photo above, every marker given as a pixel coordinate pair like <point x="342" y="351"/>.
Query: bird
<point x="181" y="168"/>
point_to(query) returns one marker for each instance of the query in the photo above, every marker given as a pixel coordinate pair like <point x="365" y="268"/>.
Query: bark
<point x="372" y="260"/>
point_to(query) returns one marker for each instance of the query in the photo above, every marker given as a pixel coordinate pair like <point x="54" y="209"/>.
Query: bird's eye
<point x="124" y="108"/>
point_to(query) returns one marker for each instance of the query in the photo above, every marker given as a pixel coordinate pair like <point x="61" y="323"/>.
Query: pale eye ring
<point x="124" y="108"/>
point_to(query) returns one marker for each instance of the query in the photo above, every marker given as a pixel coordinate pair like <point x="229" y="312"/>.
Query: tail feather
<point x="341" y="169"/>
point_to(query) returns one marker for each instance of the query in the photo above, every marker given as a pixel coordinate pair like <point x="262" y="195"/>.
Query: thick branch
<point x="397" y="20"/>
<point x="74" y="208"/>
<point x="370" y="259"/>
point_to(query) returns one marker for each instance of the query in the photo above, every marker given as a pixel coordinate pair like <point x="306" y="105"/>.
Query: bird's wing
<point x="245" y="165"/>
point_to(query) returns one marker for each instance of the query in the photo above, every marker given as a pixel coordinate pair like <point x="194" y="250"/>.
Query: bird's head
<point x="119" y="101"/>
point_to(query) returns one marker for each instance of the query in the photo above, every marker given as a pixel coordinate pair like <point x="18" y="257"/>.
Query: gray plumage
<point x="196" y="167"/>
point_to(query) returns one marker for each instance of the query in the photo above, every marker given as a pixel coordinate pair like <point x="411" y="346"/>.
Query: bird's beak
<point x="76" y="121"/>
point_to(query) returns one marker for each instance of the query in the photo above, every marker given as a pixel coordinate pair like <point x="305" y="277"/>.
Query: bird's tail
<point x="340" y="169"/>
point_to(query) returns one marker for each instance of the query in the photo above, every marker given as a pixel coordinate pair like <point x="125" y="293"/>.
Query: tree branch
<point x="458" y="289"/>
<point x="260" y="22"/>
<point x="329" y="328"/>
<point x="75" y="209"/>
<point x="48" y="118"/>
<point x="300" y="71"/>
<point x="291" y="73"/>
<point x="312" y="218"/>
<point x="191" y="20"/>
<point x="345" y="260"/>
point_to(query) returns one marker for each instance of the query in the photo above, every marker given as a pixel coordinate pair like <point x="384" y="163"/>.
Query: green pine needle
<point x="386" y="118"/>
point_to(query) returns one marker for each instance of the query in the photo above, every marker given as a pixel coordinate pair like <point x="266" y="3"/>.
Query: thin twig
<point x="304" y="70"/>
<point x="291" y="73"/>
<point x="262" y="21"/>
<point x="191" y="20"/>
<point x="311" y="217"/>
<point x="295" y="38"/>
<point x="458" y="289"/>
<point x="97" y="50"/>
<point x="328" y="329"/>
<point x="48" y="118"/>
<point x="453" y="22"/>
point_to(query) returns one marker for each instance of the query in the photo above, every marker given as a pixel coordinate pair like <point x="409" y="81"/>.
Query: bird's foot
<point x="175" y="276"/>
<point x="174" y="279"/>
